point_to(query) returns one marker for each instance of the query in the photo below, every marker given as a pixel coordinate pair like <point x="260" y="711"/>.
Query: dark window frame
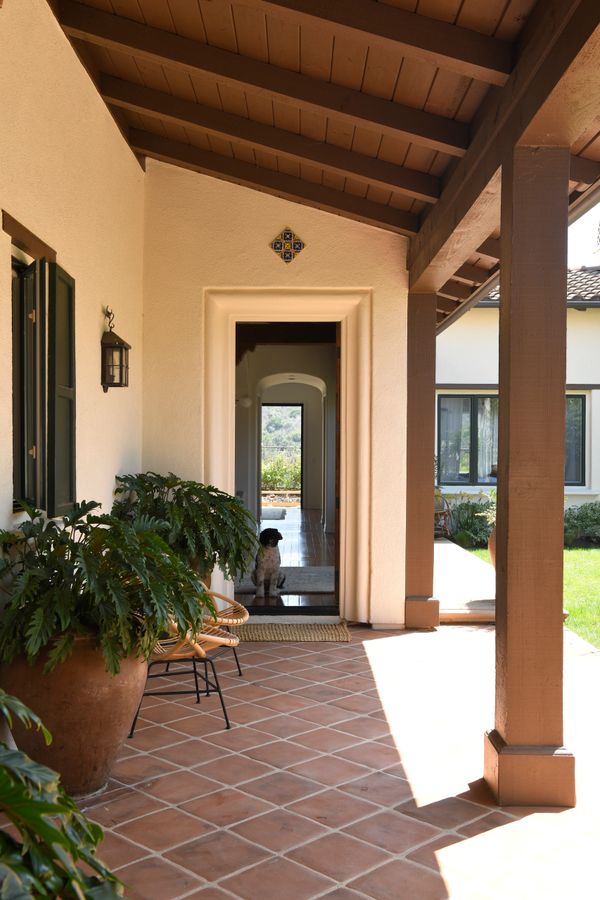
<point x="583" y="398"/>
<point x="473" y="444"/>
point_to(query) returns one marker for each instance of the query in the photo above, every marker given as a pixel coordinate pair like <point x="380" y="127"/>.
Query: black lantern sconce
<point x="115" y="356"/>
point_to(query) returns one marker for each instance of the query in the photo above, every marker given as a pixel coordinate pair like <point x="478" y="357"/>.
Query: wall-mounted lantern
<point x="115" y="356"/>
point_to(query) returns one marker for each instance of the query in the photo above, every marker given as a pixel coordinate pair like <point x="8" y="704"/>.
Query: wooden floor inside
<point x="304" y="544"/>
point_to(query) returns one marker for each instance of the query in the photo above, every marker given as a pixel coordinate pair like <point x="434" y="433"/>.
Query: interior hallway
<point x="304" y="544"/>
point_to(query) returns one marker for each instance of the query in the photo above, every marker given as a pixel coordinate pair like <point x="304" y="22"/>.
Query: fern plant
<point x="96" y="575"/>
<point x="53" y="838"/>
<point x="206" y="527"/>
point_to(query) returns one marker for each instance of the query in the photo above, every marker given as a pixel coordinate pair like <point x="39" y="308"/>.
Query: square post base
<point x="422" y="612"/>
<point x="528" y="775"/>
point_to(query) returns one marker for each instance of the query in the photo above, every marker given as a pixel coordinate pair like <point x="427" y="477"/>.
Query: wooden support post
<point x="422" y="610"/>
<point x="525" y="761"/>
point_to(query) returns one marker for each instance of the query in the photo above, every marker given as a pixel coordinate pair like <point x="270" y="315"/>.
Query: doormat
<point x="272" y="512"/>
<point x="257" y="631"/>
<point x="298" y="580"/>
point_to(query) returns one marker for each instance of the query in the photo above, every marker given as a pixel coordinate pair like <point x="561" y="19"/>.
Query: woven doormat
<point x="257" y="631"/>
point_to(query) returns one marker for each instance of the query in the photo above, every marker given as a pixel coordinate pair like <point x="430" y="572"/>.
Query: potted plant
<point x="50" y="850"/>
<point x="206" y="527"/>
<point x="86" y="600"/>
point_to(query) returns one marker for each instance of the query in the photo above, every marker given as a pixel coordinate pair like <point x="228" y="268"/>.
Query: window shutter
<point x="61" y="392"/>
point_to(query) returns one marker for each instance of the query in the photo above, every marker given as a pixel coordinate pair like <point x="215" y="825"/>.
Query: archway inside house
<point x="287" y="459"/>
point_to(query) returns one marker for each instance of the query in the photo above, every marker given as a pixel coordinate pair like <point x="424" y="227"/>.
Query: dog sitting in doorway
<point x="267" y="575"/>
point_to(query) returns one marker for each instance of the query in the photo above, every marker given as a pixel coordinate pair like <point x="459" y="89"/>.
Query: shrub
<point x="280" y="474"/>
<point x="468" y="523"/>
<point x="582" y="524"/>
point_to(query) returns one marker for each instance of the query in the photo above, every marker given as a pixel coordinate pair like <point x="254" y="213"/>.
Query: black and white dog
<point x="266" y="575"/>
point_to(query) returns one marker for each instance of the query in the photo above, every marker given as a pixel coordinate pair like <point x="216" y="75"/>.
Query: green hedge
<point x="279" y="474"/>
<point x="471" y="523"/>
<point x="582" y="524"/>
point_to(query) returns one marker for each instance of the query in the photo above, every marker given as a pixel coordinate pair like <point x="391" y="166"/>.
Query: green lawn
<point x="582" y="591"/>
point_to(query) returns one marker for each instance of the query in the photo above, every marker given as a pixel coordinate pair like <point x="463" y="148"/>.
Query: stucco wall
<point x="203" y="233"/>
<point x="67" y="175"/>
<point x="467" y="352"/>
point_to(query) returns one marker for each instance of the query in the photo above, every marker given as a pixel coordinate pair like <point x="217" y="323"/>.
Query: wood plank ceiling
<point x="362" y="108"/>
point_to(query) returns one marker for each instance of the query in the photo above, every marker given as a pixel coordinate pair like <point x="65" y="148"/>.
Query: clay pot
<point x="492" y="546"/>
<point x="196" y="564"/>
<point x="87" y="710"/>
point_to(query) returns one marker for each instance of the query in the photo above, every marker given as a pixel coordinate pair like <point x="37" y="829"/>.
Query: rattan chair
<point x="229" y="613"/>
<point x="195" y="649"/>
<point x="441" y="516"/>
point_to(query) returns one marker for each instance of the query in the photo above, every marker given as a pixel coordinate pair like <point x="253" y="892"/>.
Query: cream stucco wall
<point x="467" y="352"/>
<point x="204" y="234"/>
<point x="67" y="175"/>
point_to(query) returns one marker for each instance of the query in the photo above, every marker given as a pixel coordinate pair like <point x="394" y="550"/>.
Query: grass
<point x="581" y="590"/>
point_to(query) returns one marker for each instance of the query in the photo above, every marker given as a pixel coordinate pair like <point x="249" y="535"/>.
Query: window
<point x="468" y="439"/>
<point x="43" y="386"/>
<point x="575" y="440"/>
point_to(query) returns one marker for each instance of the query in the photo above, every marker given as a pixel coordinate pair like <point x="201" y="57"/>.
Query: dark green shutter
<point x="61" y="392"/>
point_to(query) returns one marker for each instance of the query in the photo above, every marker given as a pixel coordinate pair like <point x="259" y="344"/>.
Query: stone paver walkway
<point x="464" y="584"/>
<point x="352" y="770"/>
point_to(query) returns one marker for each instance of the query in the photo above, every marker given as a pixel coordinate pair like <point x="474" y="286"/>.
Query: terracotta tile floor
<point x="352" y="770"/>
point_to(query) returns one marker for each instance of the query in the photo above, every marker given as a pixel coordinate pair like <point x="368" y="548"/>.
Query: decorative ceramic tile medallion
<point x="287" y="245"/>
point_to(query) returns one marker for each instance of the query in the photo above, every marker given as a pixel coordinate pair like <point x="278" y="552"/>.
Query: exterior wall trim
<point x="468" y="386"/>
<point x="223" y="309"/>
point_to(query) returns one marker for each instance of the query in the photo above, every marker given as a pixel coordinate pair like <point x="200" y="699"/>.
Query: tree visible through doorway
<point x="281" y="455"/>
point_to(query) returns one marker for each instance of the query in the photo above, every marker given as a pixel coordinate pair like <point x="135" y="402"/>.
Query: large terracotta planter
<point x="492" y="546"/>
<point x="87" y="710"/>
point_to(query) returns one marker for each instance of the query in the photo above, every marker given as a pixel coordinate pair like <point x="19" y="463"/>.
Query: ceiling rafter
<point x="471" y="274"/>
<point x="448" y="46"/>
<point x="491" y="248"/>
<point x="277" y="183"/>
<point x="445" y="305"/>
<point x="137" y="98"/>
<point x="456" y="290"/>
<point x="552" y="39"/>
<point x="584" y="171"/>
<point x="171" y="50"/>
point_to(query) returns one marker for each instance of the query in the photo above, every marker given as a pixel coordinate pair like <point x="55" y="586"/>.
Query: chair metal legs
<point x="211" y="685"/>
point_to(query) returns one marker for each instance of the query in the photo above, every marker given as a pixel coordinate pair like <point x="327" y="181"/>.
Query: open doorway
<point x="281" y="453"/>
<point x="287" y="457"/>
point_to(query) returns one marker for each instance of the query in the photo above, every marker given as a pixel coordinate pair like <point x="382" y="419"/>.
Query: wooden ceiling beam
<point x="448" y="46"/>
<point x="137" y="98"/>
<point x="552" y="40"/>
<point x="173" y="51"/>
<point x="271" y="182"/>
